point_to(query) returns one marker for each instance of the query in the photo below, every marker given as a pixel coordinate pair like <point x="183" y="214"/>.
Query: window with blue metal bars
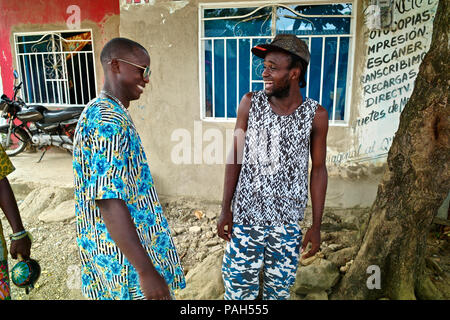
<point x="229" y="69"/>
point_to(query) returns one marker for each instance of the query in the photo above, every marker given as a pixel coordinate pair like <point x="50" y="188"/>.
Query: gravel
<point x="54" y="247"/>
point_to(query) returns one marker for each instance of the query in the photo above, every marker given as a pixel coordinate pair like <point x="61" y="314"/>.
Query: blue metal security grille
<point x="229" y="70"/>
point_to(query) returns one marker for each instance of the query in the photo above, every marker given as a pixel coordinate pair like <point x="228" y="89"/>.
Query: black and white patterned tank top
<point x="273" y="184"/>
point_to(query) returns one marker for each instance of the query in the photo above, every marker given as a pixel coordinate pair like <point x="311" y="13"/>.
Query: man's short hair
<point x="118" y="47"/>
<point x="297" y="62"/>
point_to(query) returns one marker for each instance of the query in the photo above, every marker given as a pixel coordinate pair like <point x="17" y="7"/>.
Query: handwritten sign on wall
<point x="393" y="58"/>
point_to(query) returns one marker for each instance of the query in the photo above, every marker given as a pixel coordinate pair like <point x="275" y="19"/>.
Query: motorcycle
<point x="35" y="125"/>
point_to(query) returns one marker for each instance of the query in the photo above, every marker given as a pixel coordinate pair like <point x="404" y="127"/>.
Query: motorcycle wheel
<point x="18" y="142"/>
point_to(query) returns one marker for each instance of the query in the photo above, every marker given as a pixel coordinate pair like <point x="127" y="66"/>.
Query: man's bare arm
<point x="8" y="204"/>
<point x="318" y="179"/>
<point x="233" y="168"/>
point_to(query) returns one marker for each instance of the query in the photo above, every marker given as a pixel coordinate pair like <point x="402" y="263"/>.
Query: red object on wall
<point x="41" y="13"/>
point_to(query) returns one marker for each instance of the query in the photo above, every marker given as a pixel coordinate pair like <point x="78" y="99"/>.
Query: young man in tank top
<point x="266" y="177"/>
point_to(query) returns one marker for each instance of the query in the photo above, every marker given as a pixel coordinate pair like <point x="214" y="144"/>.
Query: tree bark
<point x="416" y="181"/>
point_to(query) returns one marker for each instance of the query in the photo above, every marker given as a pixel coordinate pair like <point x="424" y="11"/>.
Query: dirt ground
<point x="54" y="245"/>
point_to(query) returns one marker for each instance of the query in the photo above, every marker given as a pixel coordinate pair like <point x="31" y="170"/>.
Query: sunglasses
<point x="147" y="72"/>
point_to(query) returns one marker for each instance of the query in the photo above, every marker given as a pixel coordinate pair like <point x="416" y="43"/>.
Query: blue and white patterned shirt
<point x="109" y="162"/>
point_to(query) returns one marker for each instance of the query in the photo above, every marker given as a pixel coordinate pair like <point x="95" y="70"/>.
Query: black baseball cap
<point x="284" y="42"/>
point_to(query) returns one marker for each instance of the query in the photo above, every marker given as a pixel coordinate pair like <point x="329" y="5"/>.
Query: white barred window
<point x="57" y="68"/>
<point x="228" y="69"/>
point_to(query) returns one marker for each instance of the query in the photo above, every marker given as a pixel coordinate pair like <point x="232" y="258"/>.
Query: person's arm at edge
<point x="233" y="168"/>
<point x="8" y="204"/>
<point x="318" y="179"/>
<point x="118" y="221"/>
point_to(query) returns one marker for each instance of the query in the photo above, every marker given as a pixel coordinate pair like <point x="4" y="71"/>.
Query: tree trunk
<point x="415" y="183"/>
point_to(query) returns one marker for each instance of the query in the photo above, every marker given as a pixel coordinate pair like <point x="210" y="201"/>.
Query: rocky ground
<point x="48" y="215"/>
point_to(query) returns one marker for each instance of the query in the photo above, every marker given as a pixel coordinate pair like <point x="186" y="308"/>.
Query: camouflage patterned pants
<point x="274" y="250"/>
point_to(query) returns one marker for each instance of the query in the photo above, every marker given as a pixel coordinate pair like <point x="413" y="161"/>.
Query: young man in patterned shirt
<point x="20" y="246"/>
<point x="126" y="248"/>
<point x="266" y="177"/>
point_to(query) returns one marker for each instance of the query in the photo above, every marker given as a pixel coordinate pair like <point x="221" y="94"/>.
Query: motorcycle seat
<point x="52" y="116"/>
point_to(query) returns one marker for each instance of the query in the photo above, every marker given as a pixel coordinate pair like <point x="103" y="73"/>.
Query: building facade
<point x="365" y="56"/>
<point x="55" y="47"/>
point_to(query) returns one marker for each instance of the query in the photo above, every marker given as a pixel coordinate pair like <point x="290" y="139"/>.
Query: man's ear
<point x="295" y="73"/>
<point x="114" y="64"/>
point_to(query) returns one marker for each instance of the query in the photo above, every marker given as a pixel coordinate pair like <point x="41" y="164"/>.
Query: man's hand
<point x="20" y="247"/>
<point x="225" y="220"/>
<point x="154" y="286"/>
<point x="313" y="236"/>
